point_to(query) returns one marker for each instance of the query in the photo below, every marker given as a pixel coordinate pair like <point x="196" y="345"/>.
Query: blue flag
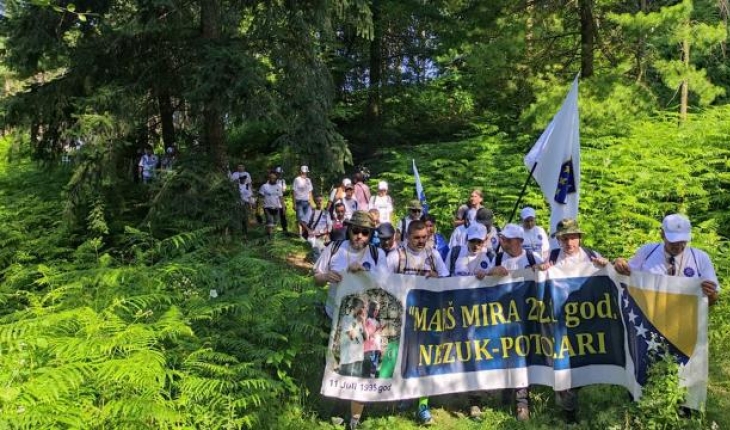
<point x="419" y="189"/>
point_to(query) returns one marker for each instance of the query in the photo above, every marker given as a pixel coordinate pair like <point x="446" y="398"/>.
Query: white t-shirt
<point x="148" y="163"/>
<point x="467" y="263"/>
<point x="245" y="193"/>
<point x="384" y="205"/>
<point x="302" y="187"/>
<point x="351" y="348"/>
<point x="320" y="221"/>
<point x="282" y="183"/>
<point x="537" y="241"/>
<point x="272" y="194"/>
<point x="350" y="206"/>
<point x="692" y="262"/>
<point x="515" y="263"/>
<point x="458" y="238"/>
<point x="579" y="257"/>
<point x="236" y="176"/>
<point x="408" y="262"/>
<point x="339" y="262"/>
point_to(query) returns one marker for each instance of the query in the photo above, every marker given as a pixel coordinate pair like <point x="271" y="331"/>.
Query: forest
<point x="107" y="317"/>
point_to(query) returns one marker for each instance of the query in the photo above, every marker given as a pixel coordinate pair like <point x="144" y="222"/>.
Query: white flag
<point x="419" y="189"/>
<point x="556" y="159"/>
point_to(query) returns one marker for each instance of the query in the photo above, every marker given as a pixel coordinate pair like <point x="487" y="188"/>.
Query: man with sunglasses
<point x="353" y="255"/>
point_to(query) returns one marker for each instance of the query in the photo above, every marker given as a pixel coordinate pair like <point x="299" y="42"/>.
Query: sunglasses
<point x="416" y="210"/>
<point x="360" y="231"/>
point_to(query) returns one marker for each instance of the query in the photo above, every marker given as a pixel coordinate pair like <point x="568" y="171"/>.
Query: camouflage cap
<point x="415" y="204"/>
<point x="567" y="226"/>
<point x="360" y="219"/>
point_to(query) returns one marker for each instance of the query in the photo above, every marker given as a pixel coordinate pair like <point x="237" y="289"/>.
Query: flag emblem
<point x="566" y="182"/>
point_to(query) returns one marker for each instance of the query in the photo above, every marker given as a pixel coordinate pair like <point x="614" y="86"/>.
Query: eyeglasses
<point x="415" y="210"/>
<point x="361" y="231"/>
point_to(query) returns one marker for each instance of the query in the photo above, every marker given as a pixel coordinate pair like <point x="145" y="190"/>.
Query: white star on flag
<point x="652" y="344"/>
<point x="632" y="316"/>
<point x="641" y="330"/>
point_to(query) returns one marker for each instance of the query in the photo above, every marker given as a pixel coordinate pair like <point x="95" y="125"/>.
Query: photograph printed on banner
<point x="366" y="341"/>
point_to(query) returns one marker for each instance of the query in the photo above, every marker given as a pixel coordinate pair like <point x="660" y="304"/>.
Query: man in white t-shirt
<point x="485" y="217"/>
<point x="415" y="209"/>
<point x="470" y="260"/>
<point x="272" y="199"/>
<point x="514" y="257"/>
<point x="417" y="259"/>
<point x="570" y="253"/>
<point x="302" y="194"/>
<point x="281" y="182"/>
<point x="672" y="257"/>
<point x="353" y="255"/>
<point x="383" y="202"/>
<point x="148" y="165"/>
<point x="349" y="201"/>
<point x="317" y="226"/>
<point x="536" y="240"/>
<point x="241" y="173"/>
<point x="467" y="212"/>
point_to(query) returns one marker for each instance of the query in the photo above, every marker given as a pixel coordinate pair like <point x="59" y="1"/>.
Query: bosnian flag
<point x="555" y="158"/>
<point x="419" y="189"/>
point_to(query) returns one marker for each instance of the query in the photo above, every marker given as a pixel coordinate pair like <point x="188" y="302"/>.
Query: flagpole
<point x="519" y="199"/>
<point x="522" y="193"/>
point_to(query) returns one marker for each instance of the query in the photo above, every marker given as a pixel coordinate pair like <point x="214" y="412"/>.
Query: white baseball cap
<point x="346" y="182"/>
<point x="476" y="231"/>
<point x="527" y="212"/>
<point x="512" y="231"/>
<point x="304" y="169"/>
<point x="677" y="228"/>
<point x="382" y="185"/>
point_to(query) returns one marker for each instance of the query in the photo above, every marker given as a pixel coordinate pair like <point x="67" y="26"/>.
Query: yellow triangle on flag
<point x="673" y="315"/>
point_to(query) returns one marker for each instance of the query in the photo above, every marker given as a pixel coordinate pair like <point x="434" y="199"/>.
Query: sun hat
<point x="567" y="226"/>
<point x="360" y="219"/>
<point x="382" y="185"/>
<point x="415" y="204"/>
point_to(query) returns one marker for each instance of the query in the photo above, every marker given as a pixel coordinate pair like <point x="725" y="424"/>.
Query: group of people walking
<point x="478" y="248"/>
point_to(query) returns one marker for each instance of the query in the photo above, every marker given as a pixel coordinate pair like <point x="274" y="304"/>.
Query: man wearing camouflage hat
<point x="353" y="255"/>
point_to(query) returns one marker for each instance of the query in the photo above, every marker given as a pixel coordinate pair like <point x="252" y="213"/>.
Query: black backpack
<point x="554" y="253"/>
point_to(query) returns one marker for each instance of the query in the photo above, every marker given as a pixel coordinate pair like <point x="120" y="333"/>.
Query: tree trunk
<point x="213" y="136"/>
<point x="684" y="101"/>
<point x="587" y="37"/>
<point x="376" y="60"/>
<point x="166" y="118"/>
<point x="641" y="49"/>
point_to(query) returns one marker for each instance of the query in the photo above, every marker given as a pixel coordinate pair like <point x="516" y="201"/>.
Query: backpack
<point x="336" y="244"/>
<point x="402" y="256"/>
<point x="554" y="253"/>
<point x="530" y="258"/>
